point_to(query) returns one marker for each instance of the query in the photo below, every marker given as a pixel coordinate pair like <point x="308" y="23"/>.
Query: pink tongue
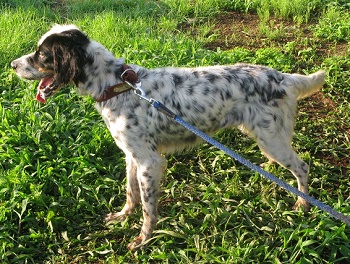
<point x="43" y="83"/>
<point x="40" y="98"/>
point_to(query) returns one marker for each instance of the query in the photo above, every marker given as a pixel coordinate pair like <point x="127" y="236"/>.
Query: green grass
<point x="334" y="25"/>
<point x="60" y="171"/>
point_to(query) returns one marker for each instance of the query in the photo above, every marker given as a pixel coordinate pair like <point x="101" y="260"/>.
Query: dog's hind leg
<point x="278" y="149"/>
<point x="132" y="193"/>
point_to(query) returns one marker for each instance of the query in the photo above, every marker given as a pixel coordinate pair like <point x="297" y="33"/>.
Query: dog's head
<point x="58" y="60"/>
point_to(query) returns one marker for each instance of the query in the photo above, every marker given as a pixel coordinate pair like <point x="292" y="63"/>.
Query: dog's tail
<point x="307" y="85"/>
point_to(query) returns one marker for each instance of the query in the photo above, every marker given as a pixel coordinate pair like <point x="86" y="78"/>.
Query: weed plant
<point x="60" y="171"/>
<point x="298" y="10"/>
<point x="334" y="25"/>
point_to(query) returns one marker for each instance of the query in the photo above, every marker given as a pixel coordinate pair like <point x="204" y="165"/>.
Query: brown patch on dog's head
<point x="58" y="60"/>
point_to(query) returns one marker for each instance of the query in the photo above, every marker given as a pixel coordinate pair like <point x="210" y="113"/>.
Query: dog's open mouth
<point x="46" y="88"/>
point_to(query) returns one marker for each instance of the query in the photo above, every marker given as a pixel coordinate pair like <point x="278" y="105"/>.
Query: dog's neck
<point x="130" y="78"/>
<point x="102" y="70"/>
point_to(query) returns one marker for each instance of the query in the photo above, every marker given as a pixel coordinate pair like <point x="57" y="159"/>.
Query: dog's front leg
<point x="149" y="174"/>
<point x="132" y="192"/>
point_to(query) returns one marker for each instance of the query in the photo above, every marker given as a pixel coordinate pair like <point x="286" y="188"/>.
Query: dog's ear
<point x="69" y="56"/>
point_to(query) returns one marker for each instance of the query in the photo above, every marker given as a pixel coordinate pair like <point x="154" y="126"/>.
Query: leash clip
<point x="139" y="91"/>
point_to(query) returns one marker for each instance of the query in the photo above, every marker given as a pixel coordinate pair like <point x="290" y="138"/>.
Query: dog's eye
<point x="41" y="55"/>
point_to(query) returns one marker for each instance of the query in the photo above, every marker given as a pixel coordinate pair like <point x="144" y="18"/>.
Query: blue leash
<point x="163" y="109"/>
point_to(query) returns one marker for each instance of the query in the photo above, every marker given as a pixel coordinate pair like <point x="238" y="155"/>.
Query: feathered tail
<point x="307" y="85"/>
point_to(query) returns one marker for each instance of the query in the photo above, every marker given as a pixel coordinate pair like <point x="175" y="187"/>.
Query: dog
<point x="260" y="101"/>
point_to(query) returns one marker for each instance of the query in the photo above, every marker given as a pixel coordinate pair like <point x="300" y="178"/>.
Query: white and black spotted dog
<point x="260" y="101"/>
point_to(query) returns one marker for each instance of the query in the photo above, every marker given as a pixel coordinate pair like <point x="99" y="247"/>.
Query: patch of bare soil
<point x="236" y="29"/>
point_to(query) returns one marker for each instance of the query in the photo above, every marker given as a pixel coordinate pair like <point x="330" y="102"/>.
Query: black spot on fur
<point x="274" y="76"/>
<point x="89" y="85"/>
<point x="109" y="63"/>
<point x="278" y="94"/>
<point x="304" y="167"/>
<point x="228" y="95"/>
<point x="212" y="77"/>
<point x="196" y="74"/>
<point x="189" y="90"/>
<point x="176" y="106"/>
<point x="149" y="112"/>
<point x="153" y="147"/>
<point x="145" y="212"/>
<point x="130" y="116"/>
<point x="198" y="107"/>
<point x="155" y="86"/>
<point x="274" y="103"/>
<point x="177" y="79"/>
<point x="264" y="123"/>
<point x="206" y="91"/>
<point x="228" y="77"/>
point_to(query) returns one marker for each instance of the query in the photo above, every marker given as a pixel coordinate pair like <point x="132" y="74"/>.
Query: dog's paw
<point x="136" y="244"/>
<point x="301" y="205"/>
<point x="115" y="217"/>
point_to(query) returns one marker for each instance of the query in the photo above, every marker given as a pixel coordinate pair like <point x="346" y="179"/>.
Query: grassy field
<point x="61" y="173"/>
